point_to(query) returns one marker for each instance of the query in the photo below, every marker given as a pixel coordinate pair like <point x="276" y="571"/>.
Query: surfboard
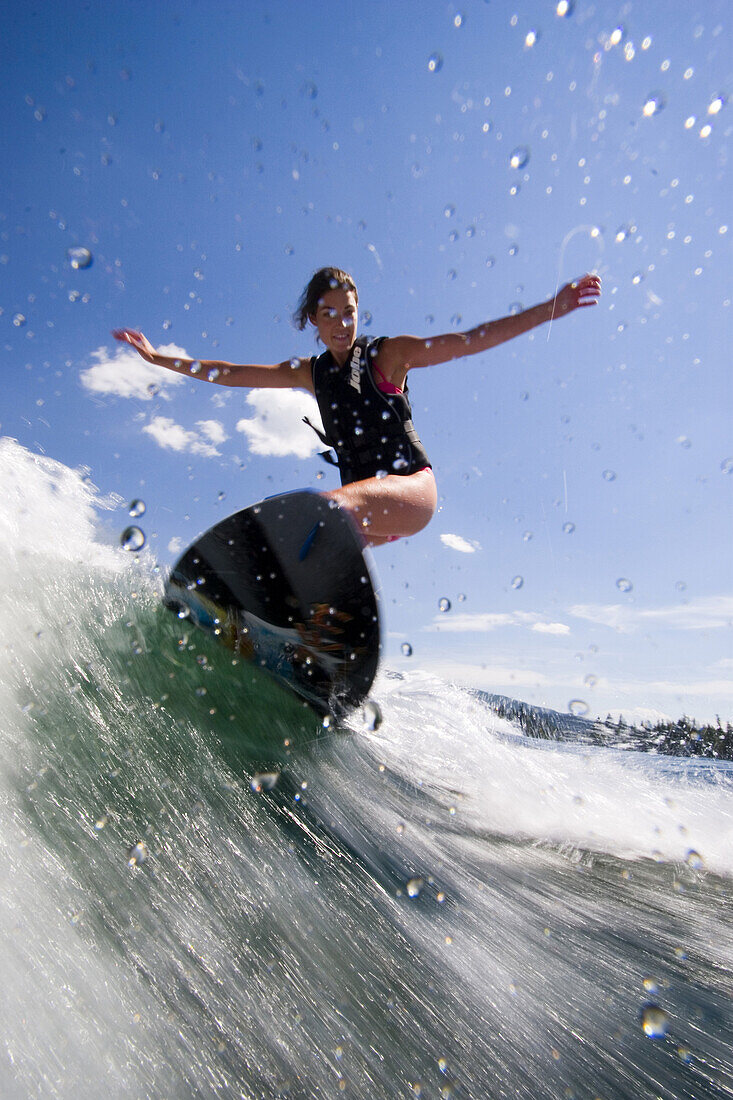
<point x="285" y="584"/>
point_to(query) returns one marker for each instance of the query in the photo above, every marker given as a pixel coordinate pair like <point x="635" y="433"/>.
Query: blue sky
<point x="211" y="155"/>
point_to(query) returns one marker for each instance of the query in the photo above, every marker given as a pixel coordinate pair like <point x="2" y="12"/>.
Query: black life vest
<point x="371" y="432"/>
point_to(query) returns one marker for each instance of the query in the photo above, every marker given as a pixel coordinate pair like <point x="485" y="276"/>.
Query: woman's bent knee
<point x="396" y="505"/>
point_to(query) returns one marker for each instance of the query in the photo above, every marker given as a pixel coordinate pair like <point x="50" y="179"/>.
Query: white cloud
<point x="457" y="542"/>
<point x="479" y="622"/>
<point x="722" y="689"/>
<point x="487" y="677"/>
<point x="172" y="437"/>
<point x="707" y="613"/>
<point x="551" y="628"/>
<point x="213" y="430"/>
<point x="277" y="427"/>
<point x="615" y="616"/>
<point x="483" y="622"/>
<point x="123" y="373"/>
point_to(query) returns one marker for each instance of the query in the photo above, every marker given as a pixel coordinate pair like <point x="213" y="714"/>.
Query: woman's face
<point x="336" y="319"/>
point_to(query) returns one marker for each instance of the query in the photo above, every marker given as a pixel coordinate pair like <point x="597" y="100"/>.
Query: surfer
<point x="360" y="386"/>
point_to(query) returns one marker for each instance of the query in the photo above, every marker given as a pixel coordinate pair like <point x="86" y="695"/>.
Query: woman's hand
<point x="140" y="343"/>
<point x="581" y="292"/>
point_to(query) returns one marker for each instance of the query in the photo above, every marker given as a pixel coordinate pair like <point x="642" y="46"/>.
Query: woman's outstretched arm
<point x="402" y="353"/>
<point x="291" y="374"/>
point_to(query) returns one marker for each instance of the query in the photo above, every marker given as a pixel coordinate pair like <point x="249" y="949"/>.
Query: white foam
<point x="49" y="510"/>
<point x="628" y="803"/>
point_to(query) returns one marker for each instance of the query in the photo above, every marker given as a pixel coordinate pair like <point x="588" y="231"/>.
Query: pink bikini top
<point x="383" y="384"/>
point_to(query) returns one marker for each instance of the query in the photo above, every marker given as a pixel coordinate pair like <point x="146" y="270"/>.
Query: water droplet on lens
<point x="406" y="649"/>
<point x="590" y="680"/>
<point x="517" y="581"/>
<point x="194" y="367"/>
<point x="578" y="707"/>
<point x="414" y="886"/>
<point x="371" y="716"/>
<point x="449" y="211"/>
<point x="213" y="374"/>
<point x="137" y="854"/>
<point x="519" y="157"/>
<point x="435" y="63"/>
<point x="565" y="8"/>
<point x="609" y="475"/>
<point x="568" y="528"/>
<point x="727" y="465"/>
<point x="444" y="604"/>
<point x="655" y="102"/>
<point x="264" y="781"/>
<point x="79" y="258"/>
<point x="654" y="1021"/>
<point x="132" y="538"/>
<point x="136" y="508"/>
<point x="19" y="320"/>
<point x="400" y="464"/>
<point x="694" y="860"/>
<point x="624" y="584"/>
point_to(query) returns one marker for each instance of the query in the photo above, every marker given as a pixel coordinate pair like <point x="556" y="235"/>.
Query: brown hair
<point x="325" y="279"/>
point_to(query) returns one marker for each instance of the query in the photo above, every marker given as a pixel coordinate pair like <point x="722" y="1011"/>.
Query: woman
<point x="361" y="389"/>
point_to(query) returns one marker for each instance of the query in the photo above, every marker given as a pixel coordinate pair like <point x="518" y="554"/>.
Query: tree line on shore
<point x="683" y="737"/>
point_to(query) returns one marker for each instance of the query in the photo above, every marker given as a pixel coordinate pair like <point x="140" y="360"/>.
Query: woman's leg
<point x="391" y="506"/>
